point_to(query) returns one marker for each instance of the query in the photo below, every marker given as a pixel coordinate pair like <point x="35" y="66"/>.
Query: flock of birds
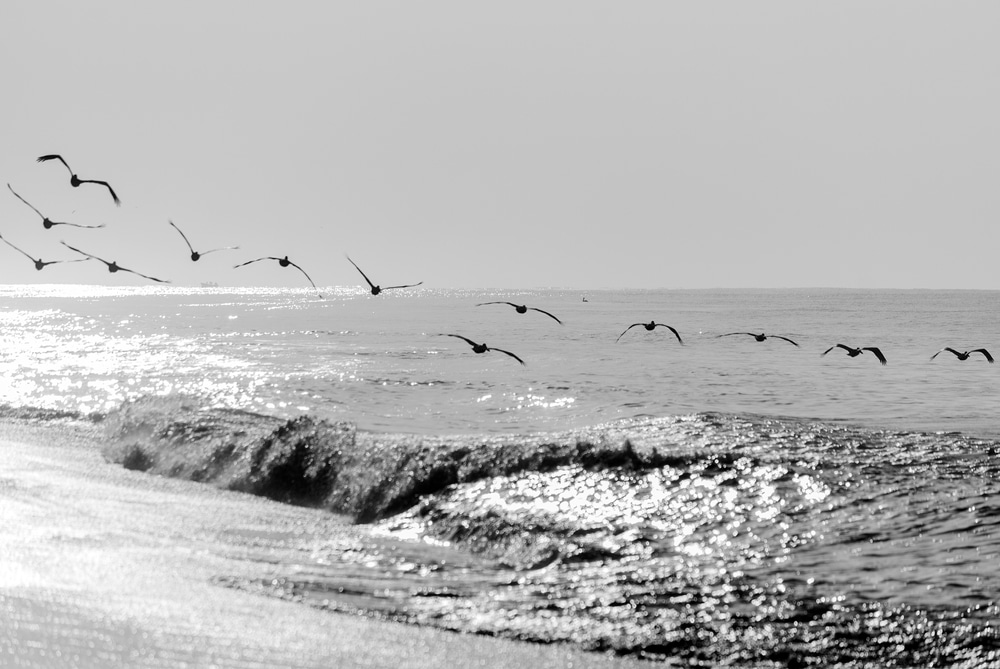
<point x="112" y="266"/>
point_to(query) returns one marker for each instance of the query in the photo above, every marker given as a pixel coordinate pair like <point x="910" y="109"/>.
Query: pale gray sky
<point x="513" y="144"/>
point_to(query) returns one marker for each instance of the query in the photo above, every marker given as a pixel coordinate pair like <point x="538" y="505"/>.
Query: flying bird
<point x="377" y="289"/>
<point x="114" y="266"/>
<point x="483" y="348"/>
<point x="46" y="223"/>
<point x="284" y="262"/>
<point x="75" y="181"/>
<point x="855" y="352"/>
<point x="758" y="337"/>
<point x="521" y="309"/>
<point x="965" y="355"/>
<point x="195" y="255"/>
<point x="649" y="326"/>
<point x="39" y="263"/>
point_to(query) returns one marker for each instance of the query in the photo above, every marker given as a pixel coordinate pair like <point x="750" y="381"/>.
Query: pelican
<point x="284" y="262"/>
<point x="855" y="352"/>
<point x="377" y="289"/>
<point x="195" y="255"/>
<point x="75" y="181"/>
<point x="965" y="355"/>
<point x="46" y="223"/>
<point x="649" y="326"/>
<point x="483" y="348"/>
<point x="521" y="309"/>
<point x="758" y="337"/>
<point x="114" y="266"/>
<point x="39" y="263"/>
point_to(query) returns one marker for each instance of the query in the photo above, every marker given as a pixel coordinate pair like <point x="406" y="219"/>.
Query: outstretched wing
<point x="984" y="352"/>
<point x="303" y="273"/>
<point x="730" y="334"/>
<point x="878" y="353"/>
<point x="785" y="338"/>
<point x="221" y="248"/>
<point x="547" y="314"/>
<point x="465" y="339"/>
<point x="672" y="330"/>
<point x="484" y="303"/>
<point x="369" y="281"/>
<point x="183" y="236"/>
<point x="26" y="202"/>
<point x="406" y="286"/>
<point x="84" y="253"/>
<point x="54" y="156"/>
<point x="19" y="250"/>
<point x="946" y="348"/>
<point x="144" y="276"/>
<point x="106" y="185"/>
<point x="255" y="260"/>
<point x="627" y="329"/>
<point x="846" y="348"/>
<point x="508" y="353"/>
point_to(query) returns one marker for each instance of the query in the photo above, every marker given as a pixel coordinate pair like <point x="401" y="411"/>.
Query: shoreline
<point x="106" y="567"/>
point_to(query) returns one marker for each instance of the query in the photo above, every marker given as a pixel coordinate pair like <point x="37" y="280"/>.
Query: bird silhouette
<point x="521" y="309"/>
<point x="855" y="352"/>
<point x="195" y="255"/>
<point x="39" y="263"/>
<point x="114" y="266"/>
<point x="377" y="289"/>
<point x="483" y="348"/>
<point x="46" y="223"/>
<point x="758" y="337"/>
<point x="649" y="326"/>
<point x="965" y="354"/>
<point x="75" y="181"/>
<point x="284" y="262"/>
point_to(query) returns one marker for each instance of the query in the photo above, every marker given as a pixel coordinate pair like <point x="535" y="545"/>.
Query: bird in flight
<point x="46" y="223"/>
<point x="649" y="326"/>
<point x="483" y="348"/>
<point x="39" y="263"/>
<point x="75" y="181"/>
<point x="284" y="262"/>
<point x="378" y="289"/>
<point x="195" y="255"/>
<point x="114" y="266"/>
<point x="855" y="352"/>
<point x="521" y="309"/>
<point x="965" y="355"/>
<point x="758" y="337"/>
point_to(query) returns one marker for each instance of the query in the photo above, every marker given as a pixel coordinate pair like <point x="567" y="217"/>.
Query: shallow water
<point x="720" y="501"/>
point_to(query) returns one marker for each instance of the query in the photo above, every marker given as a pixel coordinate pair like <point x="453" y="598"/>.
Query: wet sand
<point x="104" y="567"/>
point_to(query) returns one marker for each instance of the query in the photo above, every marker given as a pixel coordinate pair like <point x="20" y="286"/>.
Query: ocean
<point x="700" y="499"/>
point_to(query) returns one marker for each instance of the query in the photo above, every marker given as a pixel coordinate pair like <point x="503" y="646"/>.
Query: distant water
<point x="720" y="501"/>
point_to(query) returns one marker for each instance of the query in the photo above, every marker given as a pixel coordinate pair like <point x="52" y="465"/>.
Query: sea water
<point x="711" y="500"/>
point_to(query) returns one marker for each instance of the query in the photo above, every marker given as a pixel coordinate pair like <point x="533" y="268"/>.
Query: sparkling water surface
<point x="384" y="362"/>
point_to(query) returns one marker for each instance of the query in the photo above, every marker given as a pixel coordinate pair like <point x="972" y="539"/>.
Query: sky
<point x="562" y="144"/>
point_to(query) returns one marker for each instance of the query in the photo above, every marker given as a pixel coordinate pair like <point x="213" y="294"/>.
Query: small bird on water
<point x="855" y="352"/>
<point x="39" y="263"/>
<point x="378" y="289"/>
<point x="965" y="354"/>
<point x="522" y="308"/>
<point x="649" y="326"/>
<point x="195" y="255"/>
<point x="284" y="262"/>
<point x="483" y="348"/>
<point x="75" y="181"/>
<point x="114" y="266"/>
<point x="758" y="337"/>
<point x="46" y="223"/>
